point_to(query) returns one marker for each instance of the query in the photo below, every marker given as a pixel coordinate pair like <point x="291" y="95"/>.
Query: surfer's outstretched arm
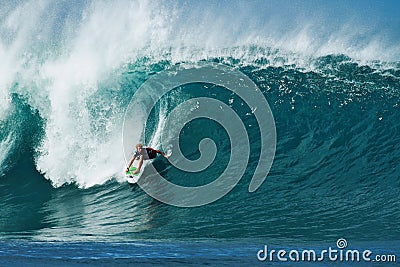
<point x="161" y="153"/>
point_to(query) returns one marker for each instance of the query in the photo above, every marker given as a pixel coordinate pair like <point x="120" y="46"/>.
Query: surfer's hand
<point x="127" y="170"/>
<point x="136" y="172"/>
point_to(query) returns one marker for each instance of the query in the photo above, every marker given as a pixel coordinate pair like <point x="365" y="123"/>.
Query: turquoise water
<point x="335" y="174"/>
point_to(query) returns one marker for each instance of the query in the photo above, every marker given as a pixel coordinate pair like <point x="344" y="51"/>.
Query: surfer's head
<point x="139" y="147"/>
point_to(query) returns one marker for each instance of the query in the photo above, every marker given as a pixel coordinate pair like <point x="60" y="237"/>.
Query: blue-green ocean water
<point x="65" y="87"/>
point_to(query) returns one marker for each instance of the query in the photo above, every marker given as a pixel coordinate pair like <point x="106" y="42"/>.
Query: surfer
<point x="144" y="153"/>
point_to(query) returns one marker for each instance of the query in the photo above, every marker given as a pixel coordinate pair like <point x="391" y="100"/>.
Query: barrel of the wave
<point x="151" y="93"/>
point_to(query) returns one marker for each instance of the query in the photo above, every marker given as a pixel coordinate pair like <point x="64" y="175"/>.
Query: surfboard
<point x="130" y="176"/>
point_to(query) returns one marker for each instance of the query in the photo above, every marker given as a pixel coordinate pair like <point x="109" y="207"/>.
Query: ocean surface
<point x="68" y="72"/>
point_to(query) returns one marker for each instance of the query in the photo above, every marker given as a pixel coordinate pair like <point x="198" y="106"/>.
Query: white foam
<point x="73" y="150"/>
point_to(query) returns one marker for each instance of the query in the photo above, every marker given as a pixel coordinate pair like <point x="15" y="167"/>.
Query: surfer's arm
<point x="130" y="162"/>
<point x="161" y="153"/>
<point x="140" y="164"/>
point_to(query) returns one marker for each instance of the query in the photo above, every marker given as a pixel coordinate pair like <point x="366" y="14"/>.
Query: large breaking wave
<point x="68" y="71"/>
